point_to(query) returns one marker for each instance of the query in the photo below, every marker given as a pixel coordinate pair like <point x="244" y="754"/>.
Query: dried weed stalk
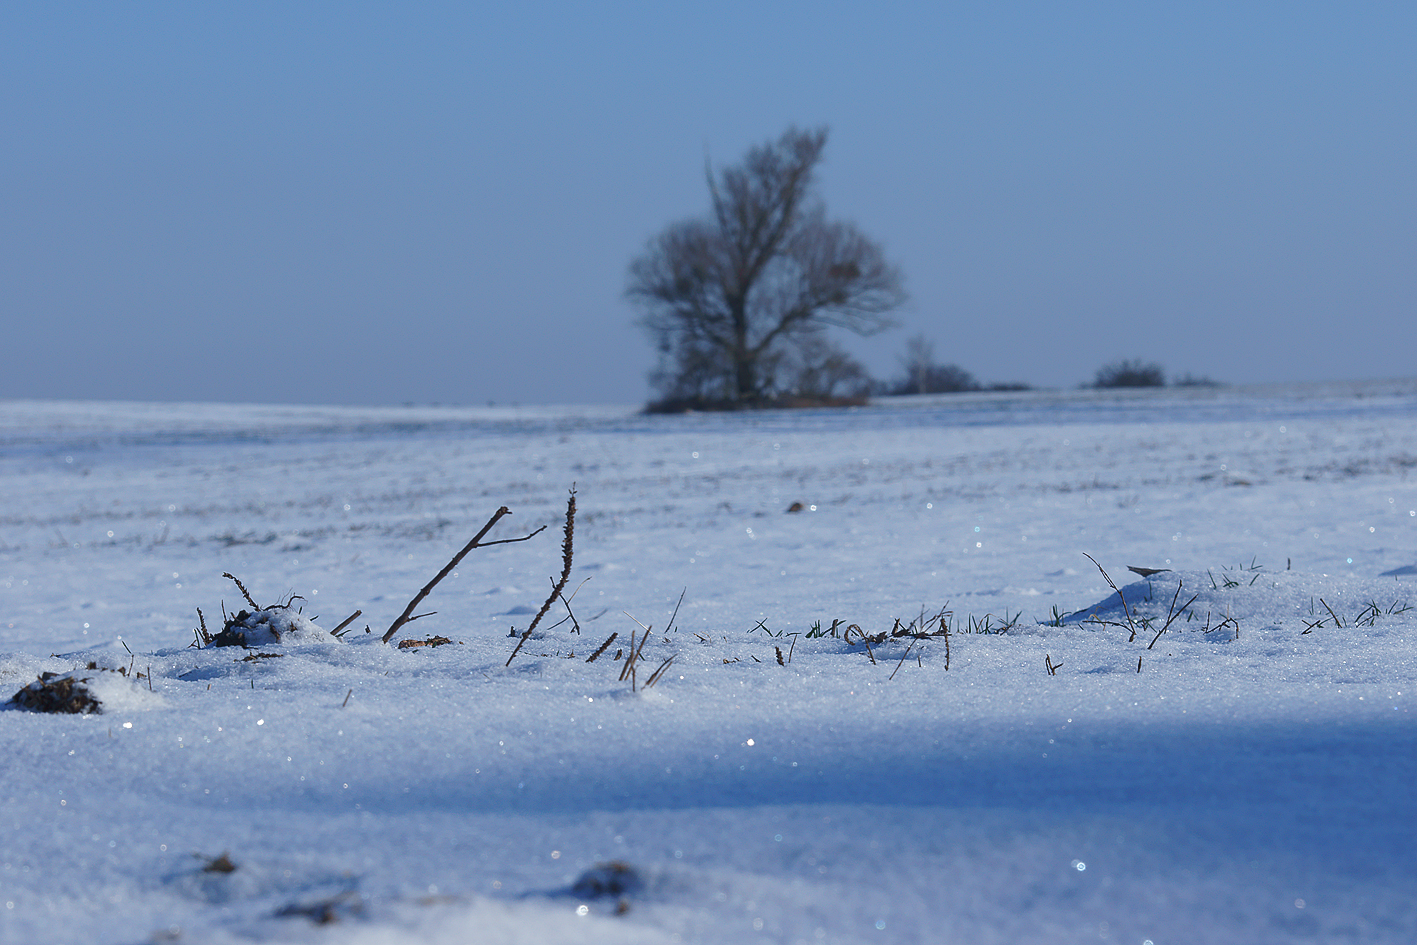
<point x="603" y="647"/>
<point x="556" y="589"/>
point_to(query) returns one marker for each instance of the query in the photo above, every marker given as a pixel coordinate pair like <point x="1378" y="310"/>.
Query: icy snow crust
<point x="1252" y="783"/>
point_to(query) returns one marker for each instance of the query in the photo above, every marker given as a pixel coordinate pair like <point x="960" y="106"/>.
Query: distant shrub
<point x="922" y="374"/>
<point x="1191" y="380"/>
<point x="937" y="379"/>
<point x="1129" y="373"/>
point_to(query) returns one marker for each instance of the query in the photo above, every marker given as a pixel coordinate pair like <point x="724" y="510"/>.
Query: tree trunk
<point x="745" y="374"/>
<point x="745" y="361"/>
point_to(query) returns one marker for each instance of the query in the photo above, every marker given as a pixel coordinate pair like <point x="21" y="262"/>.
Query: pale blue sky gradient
<point x="371" y="203"/>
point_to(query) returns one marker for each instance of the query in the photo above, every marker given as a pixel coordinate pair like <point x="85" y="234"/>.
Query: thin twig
<point x="901" y="663"/>
<point x="570" y="615"/>
<point x="346" y="622"/>
<point x="476" y="542"/>
<point x="1125" y="609"/>
<point x="525" y="636"/>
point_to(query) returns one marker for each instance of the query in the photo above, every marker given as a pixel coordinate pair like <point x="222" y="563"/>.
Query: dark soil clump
<point x="58" y="692"/>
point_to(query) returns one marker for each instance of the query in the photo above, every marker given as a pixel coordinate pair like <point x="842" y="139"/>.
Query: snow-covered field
<point x="1245" y="776"/>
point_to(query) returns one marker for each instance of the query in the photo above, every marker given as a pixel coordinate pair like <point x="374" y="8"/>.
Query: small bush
<point x="938" y="379"/>
<point x="1130" y="373"/>
<point x="1193" y="380"/>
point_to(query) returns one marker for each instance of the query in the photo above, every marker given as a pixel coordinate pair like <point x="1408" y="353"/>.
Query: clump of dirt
<point x="219" y="864"/>
<point x="431" y="641"/>
<point x="615" y="878"/>
<point x="325" y="911"/>
<point x="59" y="692"/>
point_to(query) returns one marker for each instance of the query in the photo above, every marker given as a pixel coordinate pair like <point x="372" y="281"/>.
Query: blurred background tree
<point x="735" y="299"/>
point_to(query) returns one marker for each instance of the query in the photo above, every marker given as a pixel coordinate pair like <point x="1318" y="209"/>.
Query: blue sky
<point x="369" y="204"/>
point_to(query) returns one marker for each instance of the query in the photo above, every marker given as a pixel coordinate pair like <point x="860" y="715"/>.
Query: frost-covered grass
<point x="1227" y="758"/>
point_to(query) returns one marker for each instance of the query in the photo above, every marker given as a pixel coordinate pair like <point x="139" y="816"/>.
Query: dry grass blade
<point x="625" y="670"/>
<point x="1336" y="620"/>
<point x="655" y="676"/>
<point x="670" y="625"/>
<point x="631" y="661"/>
<point x="1170" y="618"/>
<point x="1120" y="596"/>
<point x="902" y="661"/>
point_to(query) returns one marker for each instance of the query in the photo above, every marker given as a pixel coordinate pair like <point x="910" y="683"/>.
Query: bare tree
<point x="918" y="359"/>
<point x="764" y="271"/>
<point x="923" y="375"/>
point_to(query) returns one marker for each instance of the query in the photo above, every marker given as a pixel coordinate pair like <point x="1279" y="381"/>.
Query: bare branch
<point x="476" y="542"/>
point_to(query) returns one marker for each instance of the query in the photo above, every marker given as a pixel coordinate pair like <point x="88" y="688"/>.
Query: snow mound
<point x="82" y="692"/>
<point x="269" y="626"/>
<point x="1217" y="597"/>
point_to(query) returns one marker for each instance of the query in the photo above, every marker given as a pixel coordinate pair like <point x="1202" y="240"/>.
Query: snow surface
<point x="1253" y="782"/>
